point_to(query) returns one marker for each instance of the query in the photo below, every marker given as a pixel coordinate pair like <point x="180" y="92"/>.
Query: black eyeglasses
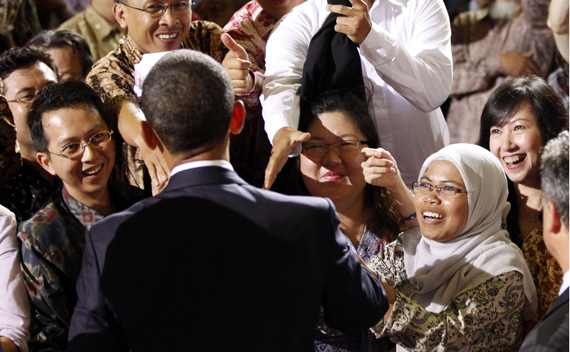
<point x="157" y="10"/>
<point x="75" y="150"/>
<point x="423" y="188"/>
<point x="343" y="148"/>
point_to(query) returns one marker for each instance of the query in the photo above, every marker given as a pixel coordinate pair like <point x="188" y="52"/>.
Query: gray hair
<point x="554" y="174"/>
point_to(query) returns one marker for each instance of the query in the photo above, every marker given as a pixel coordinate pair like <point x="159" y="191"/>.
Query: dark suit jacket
<point x="213" y="264"/>
<point x="551" y="332"/>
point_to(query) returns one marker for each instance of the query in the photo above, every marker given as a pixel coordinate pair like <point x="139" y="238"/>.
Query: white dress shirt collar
<point x="565" y="283"/>
<point x="200" y="163"/>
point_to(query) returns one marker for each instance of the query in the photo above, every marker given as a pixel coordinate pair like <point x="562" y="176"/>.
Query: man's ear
<point x="44" y="161"/>
<point x="149" y="136"/>
<point x="555" y="223"/>
<point x="238" y="117"/>
<point x="119" y="12"/>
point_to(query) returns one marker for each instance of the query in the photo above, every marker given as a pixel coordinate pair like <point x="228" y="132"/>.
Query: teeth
<point x="432" y="215"/>
<point x="93" y="172"/>
<point x="510" y="160"/>
<point x="167" y="36"/>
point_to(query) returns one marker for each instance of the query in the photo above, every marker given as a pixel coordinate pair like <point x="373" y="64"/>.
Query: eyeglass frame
<point x="161" y="6"/>
<point x="336" y="145"/>
<point x="438" y="189"/>
<point x="83" y="145"/>
<point x="19" y="100"/>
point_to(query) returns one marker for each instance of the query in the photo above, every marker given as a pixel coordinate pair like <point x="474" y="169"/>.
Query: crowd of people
<point x="340" y="175"/>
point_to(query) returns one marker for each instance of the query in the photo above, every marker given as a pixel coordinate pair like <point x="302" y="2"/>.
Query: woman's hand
<point x="380" y="170"/>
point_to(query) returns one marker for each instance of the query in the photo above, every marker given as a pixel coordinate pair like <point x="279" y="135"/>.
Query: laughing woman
<point x="519" y="118"/>
<point x="456" y="282"/>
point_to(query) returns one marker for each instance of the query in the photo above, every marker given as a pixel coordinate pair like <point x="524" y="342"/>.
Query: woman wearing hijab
<point x="457" y="282"/>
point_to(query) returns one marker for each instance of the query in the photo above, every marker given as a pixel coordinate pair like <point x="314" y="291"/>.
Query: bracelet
<point x="409" y="218"/>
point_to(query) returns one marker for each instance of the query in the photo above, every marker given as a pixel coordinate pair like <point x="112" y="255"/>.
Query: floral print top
<point x="546" y="272"/>
<point x="488" y="317"/>
<point x="52" y="244"/>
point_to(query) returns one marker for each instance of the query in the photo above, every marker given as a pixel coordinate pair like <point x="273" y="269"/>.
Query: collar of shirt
<point x="86" y="215"/>
<point x="399" y="2"/>
<point x="200" y="163"/>
<point x="102" y="28"/>
<point x="565" y="283"/>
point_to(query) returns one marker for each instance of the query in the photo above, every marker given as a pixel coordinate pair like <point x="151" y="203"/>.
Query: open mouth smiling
<point x="514" y="160"/>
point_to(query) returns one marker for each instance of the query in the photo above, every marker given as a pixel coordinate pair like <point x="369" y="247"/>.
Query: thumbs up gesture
<point x="237" y="64"/>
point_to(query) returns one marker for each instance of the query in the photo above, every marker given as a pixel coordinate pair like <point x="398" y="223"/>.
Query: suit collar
<point x="561" y="300"/>
<point x="202" y="176"/>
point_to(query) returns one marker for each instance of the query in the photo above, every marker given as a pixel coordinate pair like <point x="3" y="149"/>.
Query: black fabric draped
<point x="333" y="62"/>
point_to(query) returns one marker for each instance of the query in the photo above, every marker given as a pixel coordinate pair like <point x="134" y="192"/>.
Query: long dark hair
<point x="546" y="106"/>
<point x="385" y="220"/>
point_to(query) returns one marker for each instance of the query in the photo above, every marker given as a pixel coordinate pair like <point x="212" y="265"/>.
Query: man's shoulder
<point x="74" y="22"/>
<point x="551" y="333"/>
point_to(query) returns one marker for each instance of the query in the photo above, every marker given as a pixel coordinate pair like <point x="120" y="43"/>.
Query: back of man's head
<point x="554" y="174"/>
<point x="188" y="100"/>
<point x="21" y="58"/>
<point x="68" y="94"/>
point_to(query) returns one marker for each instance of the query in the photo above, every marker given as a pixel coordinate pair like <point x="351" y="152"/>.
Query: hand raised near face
<point x="355" y="22"/>
<point x="237" y="64"/>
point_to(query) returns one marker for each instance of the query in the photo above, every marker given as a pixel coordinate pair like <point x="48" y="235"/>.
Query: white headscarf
<point x="482" y="250"/>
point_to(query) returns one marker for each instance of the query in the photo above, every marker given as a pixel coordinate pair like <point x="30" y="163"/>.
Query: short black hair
<point x="554" y="174"/>
<point x="188" y="100"/>
<point x="546" y="106"/>
<point x="65" y="37"/>
<point x="22" y="58"/>
<point x="68" y="94"/>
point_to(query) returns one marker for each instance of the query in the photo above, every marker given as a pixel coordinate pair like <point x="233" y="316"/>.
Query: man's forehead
<point x="27" y="77"/>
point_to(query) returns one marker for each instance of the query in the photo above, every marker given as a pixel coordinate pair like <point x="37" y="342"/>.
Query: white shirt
<point x="200" y="163"/>
<point x="14" y="306"/>
<point x="406" y="62"/>
<point x="565" y="283"/>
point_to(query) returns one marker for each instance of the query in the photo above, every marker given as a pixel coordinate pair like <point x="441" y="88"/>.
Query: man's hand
<point x="284" y="141"/>
<point x="237" y="64"/>
<point x="356" y="24"/>
<point x="156" y="165"/>
<point x="517" y="64"/>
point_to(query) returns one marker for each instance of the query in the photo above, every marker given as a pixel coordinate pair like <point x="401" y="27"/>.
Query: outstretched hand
<point x="156" y="165"/>
<point x="283" y="143"/>
<point x="237" y="65"/>
<point x="380" y="168"/>
<point x="354" y="22"/>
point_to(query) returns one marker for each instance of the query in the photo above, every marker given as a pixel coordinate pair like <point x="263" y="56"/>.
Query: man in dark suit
<point x="212" y="263"/>
<point x="551" y="332"/>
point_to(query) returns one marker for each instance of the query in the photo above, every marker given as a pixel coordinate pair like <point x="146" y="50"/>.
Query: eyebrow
<point x="444" y="181"/>
<point x="65" y="141"/>
<point x="342" y="137"/>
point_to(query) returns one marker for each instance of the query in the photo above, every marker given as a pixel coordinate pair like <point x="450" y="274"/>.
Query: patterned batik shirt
<point x="486" y="318"/>
<point x="52" y="244"/>
<point x="330" y="340"/>
<point x="250" y="27"/>
<point x="10" y="161"/>
<point x="20" y="17"/>
<point x="544" y="269"/>
<point x="113" y="79"/>
<point x="27" y="192"/>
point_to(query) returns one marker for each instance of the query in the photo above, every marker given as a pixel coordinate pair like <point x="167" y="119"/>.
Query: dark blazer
<point x="214" y="264"/>
<point x="551" y="332"/>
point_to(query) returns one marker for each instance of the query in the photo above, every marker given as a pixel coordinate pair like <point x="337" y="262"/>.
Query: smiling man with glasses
<point x="70" y="129"/>
<point x="153" y="26"/>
